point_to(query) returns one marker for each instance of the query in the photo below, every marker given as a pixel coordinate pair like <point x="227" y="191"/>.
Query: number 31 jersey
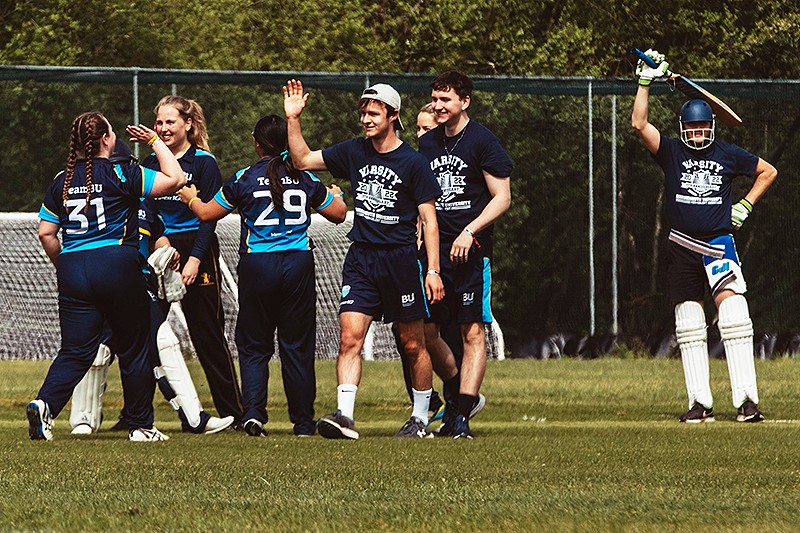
<point x="111" y="216"/>
<point x="266" y="228"/>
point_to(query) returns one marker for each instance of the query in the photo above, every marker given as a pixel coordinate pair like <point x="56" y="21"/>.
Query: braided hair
<point x="271" y="135"/>
<point x="189" y="109"/>
<point x="84" y="144"/>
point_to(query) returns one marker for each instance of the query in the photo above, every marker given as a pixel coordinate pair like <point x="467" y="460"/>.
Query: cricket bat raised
<point x="691" y="89"/>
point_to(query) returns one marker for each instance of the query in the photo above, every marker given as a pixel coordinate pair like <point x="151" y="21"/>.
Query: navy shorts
<point x="467" y="286"/>
<point x="383" y="281"/>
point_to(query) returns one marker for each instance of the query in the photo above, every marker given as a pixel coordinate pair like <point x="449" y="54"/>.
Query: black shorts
<point x="383" y="281"/>
<point x="467" y="286"/>
<point x="686" y="275"/>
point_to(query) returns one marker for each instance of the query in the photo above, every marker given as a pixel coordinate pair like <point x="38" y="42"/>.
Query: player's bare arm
<point x="434" y="288"/>
<point x="205" y="211"/>
<point x="294" y="101"/>
<point x="48" y="236"/>
<point x="336" y="211"/>
<point x="171" y="177"/>
<point x="500" y="190"/>
<point x="640" y="120"/>
<point x="765" y="175"/>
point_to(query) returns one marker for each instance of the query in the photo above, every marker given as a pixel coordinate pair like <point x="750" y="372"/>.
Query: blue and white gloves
<point x="740" y="212"/>
<point x="647" y="73"/>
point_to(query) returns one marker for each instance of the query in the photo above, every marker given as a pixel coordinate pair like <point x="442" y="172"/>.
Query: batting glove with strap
<point x="647" y="73"/>
<point x="739" y="212"/>
<point x="170" y="283"/>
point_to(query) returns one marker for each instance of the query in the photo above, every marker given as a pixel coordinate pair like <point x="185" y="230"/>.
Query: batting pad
<point x="87" y="398"/>
<point x="736" y="330"/>
<point x="690" y="330"/>
<point x="173" y="367"/>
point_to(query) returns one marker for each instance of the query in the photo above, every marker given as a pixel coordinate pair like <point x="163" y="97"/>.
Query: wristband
<point x="339" y="194"/>
<point x="432" y="272"/>
<point x="189" y="205"/>
<point x="469" y="231"/>
<point x="747" y="205"/>
<point x="153" y="139"/>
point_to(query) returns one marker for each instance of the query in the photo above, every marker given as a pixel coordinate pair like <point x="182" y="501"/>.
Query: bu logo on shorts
<point x="719" y="269"/>
<point x="468" y="298"/>
<point x="407" y="299"/>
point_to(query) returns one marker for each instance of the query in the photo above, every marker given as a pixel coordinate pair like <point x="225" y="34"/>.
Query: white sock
<point x="422" y="400"/>
<point x="346" y="399"/>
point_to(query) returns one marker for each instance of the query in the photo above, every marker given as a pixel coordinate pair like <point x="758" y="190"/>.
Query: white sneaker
<point x="40" y="423"/>
<point x="146" y="435"/>
<point x="254" y="428"/>
<point x="82" y="429"/>
<point x="215" y="425"/>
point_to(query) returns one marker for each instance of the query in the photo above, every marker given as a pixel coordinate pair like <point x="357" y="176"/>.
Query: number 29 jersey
<point x="266" y="228"/>
<point x="110" y="219"/>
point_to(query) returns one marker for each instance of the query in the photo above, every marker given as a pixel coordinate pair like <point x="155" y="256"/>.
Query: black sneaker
<point x="461" y="428"/>
<point x="446" y="429"/>
<point x="415" y="429"/>
<point x="749" y="412"/>
<point x="698" y="413"/>
<point x="337" y="426"/>
<point x="121" y="425"/>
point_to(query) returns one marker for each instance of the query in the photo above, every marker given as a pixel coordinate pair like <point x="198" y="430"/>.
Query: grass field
<point x="563" y="445"/>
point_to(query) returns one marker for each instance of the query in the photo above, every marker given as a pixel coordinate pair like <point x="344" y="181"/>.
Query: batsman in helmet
<point x="698" y="172"/>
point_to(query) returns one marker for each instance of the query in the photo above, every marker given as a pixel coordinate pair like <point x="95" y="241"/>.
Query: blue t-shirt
<point x="458" y="164"/>
<point x="201" y="170"/>
<point x="698" y="184"/>
<point x="387" y="189"/>
<point x="111" y="217"/>
<point x="265" y="228"/>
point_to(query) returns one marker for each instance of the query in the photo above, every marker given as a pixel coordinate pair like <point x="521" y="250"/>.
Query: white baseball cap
<point x="386" y="94"/>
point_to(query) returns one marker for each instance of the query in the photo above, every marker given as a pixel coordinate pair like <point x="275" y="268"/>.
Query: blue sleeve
<point x="746" y="162"/>
<point x="664" y="153"/>
<point x="228" y="195"/>
<point x="495" y="159"/>
<point x="210" y="181"/>
<point x="335" y="157"/>
<point x="426" y="186"/>
<point x="51" y="204"/>
<point x="148" y="180"/>
<point x="318" y="194"/>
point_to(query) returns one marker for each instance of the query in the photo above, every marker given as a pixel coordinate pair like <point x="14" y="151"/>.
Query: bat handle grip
<point x="644" y="57"/>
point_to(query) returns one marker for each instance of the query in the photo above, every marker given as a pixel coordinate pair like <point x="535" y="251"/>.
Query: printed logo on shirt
<point x="468" y="298"/>
<point x="450" y="173"/>
<point x="407" y="300"/>
<point x="375" y="192"/>
<point x="701" y="179"/>
<point x="345" y="290"/>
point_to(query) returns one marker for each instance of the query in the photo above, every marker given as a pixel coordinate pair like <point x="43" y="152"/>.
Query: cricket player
<point x="473" y="170"/>
<point x="381" y="277"/>
<point x="698" y="172"/>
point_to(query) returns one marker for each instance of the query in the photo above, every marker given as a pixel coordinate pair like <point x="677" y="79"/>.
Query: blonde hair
<point x="427" y="108"/>
<point x="189" y="109"/>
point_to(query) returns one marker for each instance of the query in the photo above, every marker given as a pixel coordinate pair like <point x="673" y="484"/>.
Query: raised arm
<point x="640" y="120"/>
<point x="294" y="101"/>
<point x="171" y="177"/>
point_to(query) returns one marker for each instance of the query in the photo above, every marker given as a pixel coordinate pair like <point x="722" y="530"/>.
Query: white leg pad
<point x="690" y="330"/>
<point x="174" y="368"/>
<point x="736" y="330"/>
<point x="87" y="398"/>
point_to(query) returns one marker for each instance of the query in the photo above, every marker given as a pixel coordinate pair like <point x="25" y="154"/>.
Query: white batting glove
<point x="170" y="283"/>
<point x="647" y="73"/>
<point x="739" y="212"/>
